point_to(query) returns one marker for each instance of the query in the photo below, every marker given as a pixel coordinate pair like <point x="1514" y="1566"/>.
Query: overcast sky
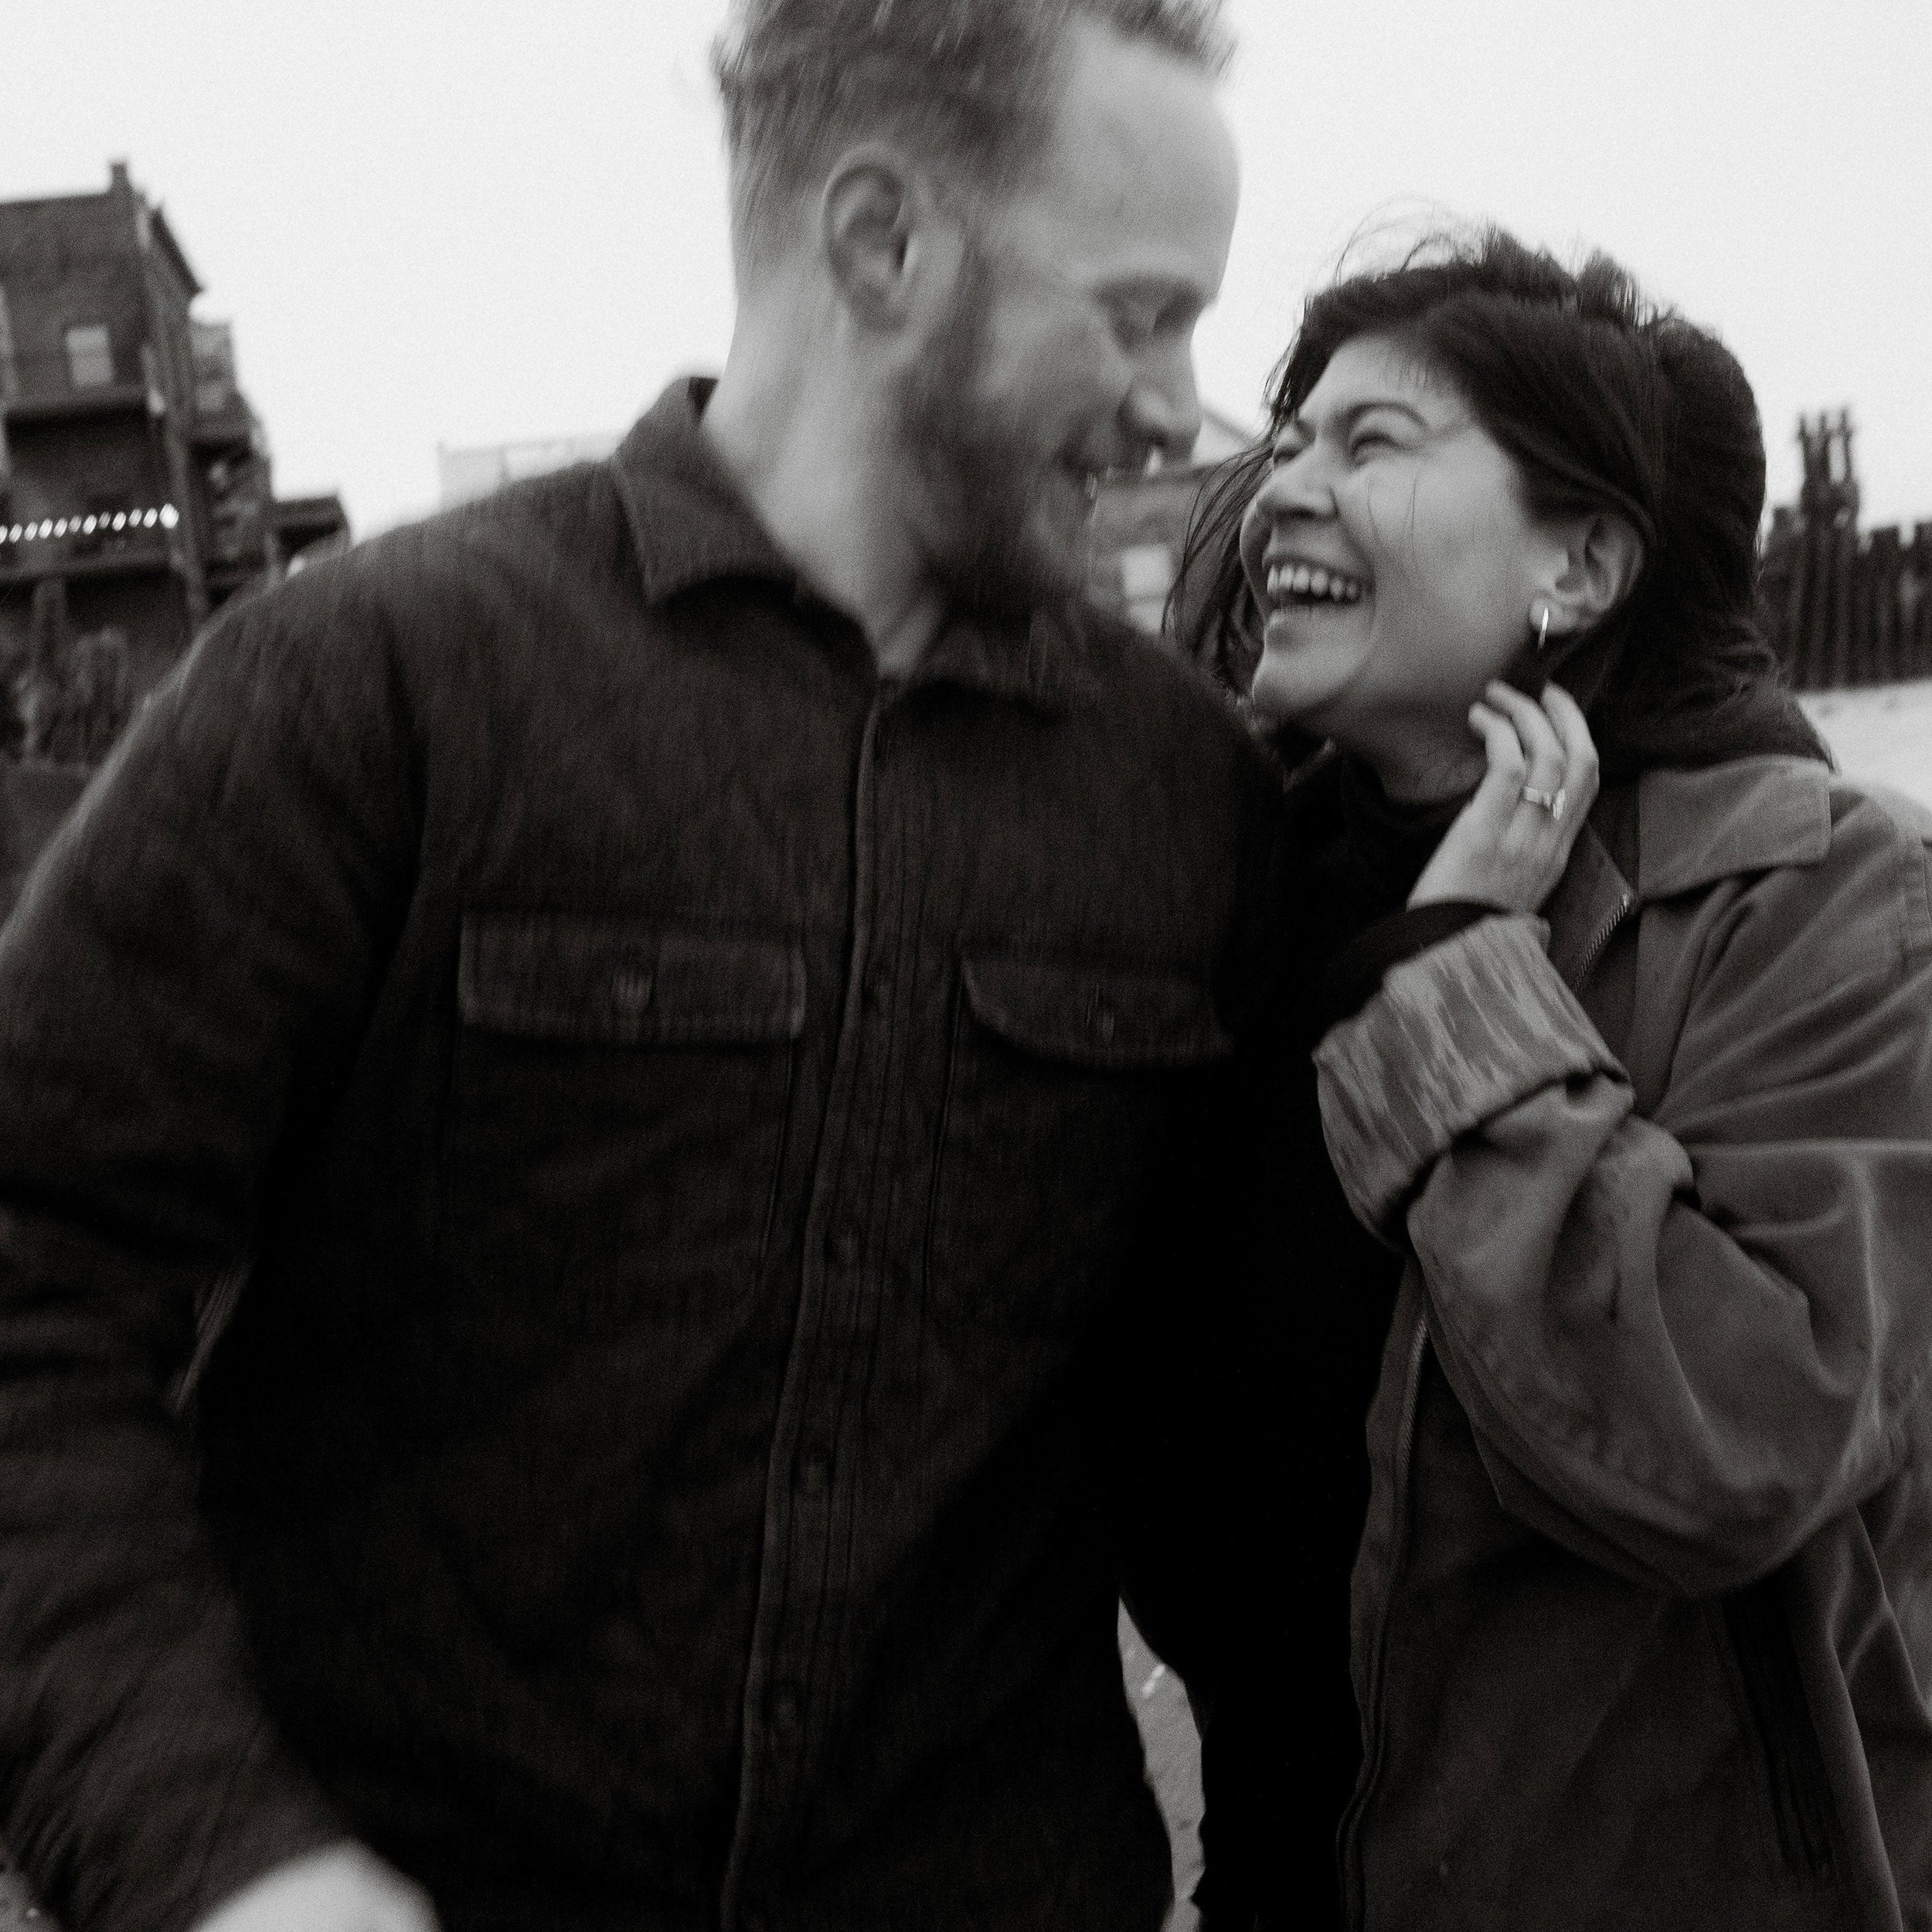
<point x="434" y="222"/>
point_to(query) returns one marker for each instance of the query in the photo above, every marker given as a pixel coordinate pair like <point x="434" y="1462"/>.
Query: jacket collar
<point x="690" y="525"/>
<point x="1052" y="669"/>
<point x="1693" y="828"/>
<point x="688" y="522"/>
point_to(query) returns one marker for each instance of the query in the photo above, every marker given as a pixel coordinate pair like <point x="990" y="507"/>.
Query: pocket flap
<point x="1096" y="1016"/>
<point x="560" y="976"/>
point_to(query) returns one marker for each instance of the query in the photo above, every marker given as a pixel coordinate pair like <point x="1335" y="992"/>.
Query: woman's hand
<point x="1509" y="844"/>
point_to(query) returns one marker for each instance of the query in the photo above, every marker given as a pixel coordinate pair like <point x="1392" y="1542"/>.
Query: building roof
<point x="164" y="240"/>
<point x="301" y="521"/>
<point x="152" y="221"/>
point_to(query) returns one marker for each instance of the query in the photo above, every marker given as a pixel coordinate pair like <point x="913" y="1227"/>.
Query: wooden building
<point x="134" y="474"/>
<point x="135" y="493"/>
<point x="1845" y="607"/>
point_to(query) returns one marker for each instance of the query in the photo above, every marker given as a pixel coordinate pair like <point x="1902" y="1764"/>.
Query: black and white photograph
<point x="966" y="966"/>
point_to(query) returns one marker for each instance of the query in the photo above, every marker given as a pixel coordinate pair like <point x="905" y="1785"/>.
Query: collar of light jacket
<point x="1693" y="827"/>
<point x="691" y="525"/>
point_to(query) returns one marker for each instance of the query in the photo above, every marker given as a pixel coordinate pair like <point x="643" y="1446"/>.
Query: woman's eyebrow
<point x="1355" y="411"/>
<point x="1296" y="425"/>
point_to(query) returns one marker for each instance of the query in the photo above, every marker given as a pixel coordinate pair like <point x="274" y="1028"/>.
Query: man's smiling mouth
<point x="1092" y="481"/>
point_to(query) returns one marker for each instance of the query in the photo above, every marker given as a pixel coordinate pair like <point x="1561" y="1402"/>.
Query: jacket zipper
<point x="1603" y="936"/>
<point x="1354" y="1882"/>
<point x="1354" y="1879"/>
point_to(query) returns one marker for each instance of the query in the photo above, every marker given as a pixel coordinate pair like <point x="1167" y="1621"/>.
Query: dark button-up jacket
<point x="688" y="1110"/>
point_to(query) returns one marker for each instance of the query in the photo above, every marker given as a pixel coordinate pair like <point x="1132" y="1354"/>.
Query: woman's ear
<point x="879" y="234"/>
<point x="1603" y="558"/>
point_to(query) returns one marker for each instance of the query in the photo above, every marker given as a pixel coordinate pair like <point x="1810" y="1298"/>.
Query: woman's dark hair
<point x="1603" y="403"/>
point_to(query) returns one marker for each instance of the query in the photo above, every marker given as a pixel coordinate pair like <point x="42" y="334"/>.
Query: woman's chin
<point x="1287" y="689"/>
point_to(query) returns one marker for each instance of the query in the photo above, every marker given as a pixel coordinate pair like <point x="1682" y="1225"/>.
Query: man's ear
<point x="1603" y="558"/>
<point x="881" y="235"/>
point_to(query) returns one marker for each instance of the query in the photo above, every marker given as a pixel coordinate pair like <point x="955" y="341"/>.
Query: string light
<point x="41" y="530"/>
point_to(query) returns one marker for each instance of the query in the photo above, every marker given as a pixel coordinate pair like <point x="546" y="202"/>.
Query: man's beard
<point x="983" y="477"/>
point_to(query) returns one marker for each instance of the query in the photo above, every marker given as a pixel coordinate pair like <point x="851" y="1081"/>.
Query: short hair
<point x="968" y="83"/>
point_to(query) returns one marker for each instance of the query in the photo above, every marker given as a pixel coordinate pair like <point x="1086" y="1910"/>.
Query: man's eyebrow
<point x="1158" y="290"/>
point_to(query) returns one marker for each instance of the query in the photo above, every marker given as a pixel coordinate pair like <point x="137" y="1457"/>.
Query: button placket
<point x="1102" y="1022"/>
<point x="631" y="988"/>
<point x="777" y="1738"/>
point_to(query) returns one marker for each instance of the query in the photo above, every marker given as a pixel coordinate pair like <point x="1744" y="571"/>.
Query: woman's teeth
<point x="1306" y="582"/>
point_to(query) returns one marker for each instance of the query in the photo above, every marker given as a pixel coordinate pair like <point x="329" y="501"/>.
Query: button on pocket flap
<point x="1095" y="1016"/>
<point x="552" y="976"/>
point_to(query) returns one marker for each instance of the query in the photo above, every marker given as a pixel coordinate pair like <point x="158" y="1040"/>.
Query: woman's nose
<point x="1291" y="492"/>
<point x="1296" y="485"/>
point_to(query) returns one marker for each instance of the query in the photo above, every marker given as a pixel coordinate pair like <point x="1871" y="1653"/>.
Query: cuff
<point x="1456" y="1035"/>
<point x="1354" y="975"/>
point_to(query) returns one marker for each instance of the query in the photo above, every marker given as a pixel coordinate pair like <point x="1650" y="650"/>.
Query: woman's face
<point x="1396" y="567"/>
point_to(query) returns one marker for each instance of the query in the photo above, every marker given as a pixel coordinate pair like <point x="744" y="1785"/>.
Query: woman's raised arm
<point x="1691" y="1335"/>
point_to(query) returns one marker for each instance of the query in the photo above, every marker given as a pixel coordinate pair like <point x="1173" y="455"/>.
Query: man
<point x="678" y="982"/>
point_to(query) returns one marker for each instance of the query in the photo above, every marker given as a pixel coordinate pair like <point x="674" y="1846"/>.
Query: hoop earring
<point x="1543" y="631"/>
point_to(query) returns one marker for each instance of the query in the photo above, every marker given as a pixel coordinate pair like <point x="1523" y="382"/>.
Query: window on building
<point x="91" y="356"/>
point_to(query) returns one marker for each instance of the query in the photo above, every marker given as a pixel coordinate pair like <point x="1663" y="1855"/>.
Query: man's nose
<point x="1164" y="407"/>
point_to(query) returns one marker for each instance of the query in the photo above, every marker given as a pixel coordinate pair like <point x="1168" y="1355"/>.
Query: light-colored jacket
<point x="1643" y="1615"/>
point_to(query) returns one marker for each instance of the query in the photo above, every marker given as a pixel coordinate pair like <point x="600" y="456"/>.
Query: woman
<point x="1641" y="1623"/>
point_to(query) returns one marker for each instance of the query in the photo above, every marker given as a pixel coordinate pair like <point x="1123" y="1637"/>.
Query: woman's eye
<point x="1292" y="441"/>
<point x="1367" y="440"/>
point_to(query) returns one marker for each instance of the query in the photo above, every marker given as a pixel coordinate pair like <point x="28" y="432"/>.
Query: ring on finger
<point x="1553" y="802"/>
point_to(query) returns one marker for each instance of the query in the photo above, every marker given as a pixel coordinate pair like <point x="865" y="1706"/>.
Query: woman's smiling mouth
<point x="1292" y="585"/>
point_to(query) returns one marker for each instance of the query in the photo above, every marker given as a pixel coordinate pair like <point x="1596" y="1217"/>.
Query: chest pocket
<point x="1063" y="1081"/>
<point x="618" y="1115"/>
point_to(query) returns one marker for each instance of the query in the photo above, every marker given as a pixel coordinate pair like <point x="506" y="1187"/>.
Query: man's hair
<point x="968" y="83"/>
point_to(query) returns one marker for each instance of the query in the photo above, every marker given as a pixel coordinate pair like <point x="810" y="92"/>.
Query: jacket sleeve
<point x="1684" y="1341"/>
<point x="180" y="990"/>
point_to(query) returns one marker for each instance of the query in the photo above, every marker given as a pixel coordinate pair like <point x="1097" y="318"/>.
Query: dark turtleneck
<point x="1354" y="855"/>
<point x="1280" y="1771"/>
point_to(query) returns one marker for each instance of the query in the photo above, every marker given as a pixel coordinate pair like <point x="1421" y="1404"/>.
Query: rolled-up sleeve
<point x="1458" y="1034"/>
